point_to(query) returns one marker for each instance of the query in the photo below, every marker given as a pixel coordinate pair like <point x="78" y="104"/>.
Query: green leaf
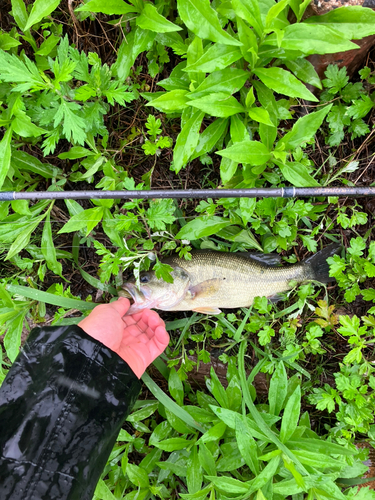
<point x="40" y="9"/>
<point x="202" y="226"/>
<point x="12" y="339"/>
<point x="315" y="39"/>
<point x="23" y="126"/>
<point x="137" y="475"/>
<point x="278" y="389"/>
<point x="260" y="115"/>
<point x="136" y="41"/>
<point x="283" y="82"/>
<point x="206" y="460"/>
<point x="150" y="19"/>
<point x="19" y="13"/>
<point x="304" y="70"/>
<point x="251" y="152"/>
<point x="228" y="80"/>
<point x="247" y="444"/>
<point x="173" y="444"/>
<point x="248" y="10"/>
<point x="274" y="11"/>
<point x="266" y="475"/>
<point x="187" y="141"/>
<point x="304" y="129"/>
<point x="175" y="100"/>
<point x="297" y="174"/>
<point x="169" y="403"/>
<point x="5" y="155"/>
<point x="88" y="218"/>
<point x="215" y="58"/>
<point x="103" y="492"/>
<point x="107" y="7"/>
<point x="228" y="485"/>
<point x="291" y="415"/>
<point x="50" y="298"/>
<point x="48" y="248"/>
<point x="219" y="104"/>
<point x="7" y="42"/>
<point x="210" y="136"/>
<point x="23" y="238"/>
<point x="193" y="472"/>
<point x="201" y="19"/>
<point x="175" y="387"/>
<point x="352" y="21"/>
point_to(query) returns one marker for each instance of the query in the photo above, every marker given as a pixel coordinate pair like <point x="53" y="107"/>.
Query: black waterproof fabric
<point x="62" y="405"/>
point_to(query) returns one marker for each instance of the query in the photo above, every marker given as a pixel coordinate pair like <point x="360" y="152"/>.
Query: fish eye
<point x="144" y="278"/>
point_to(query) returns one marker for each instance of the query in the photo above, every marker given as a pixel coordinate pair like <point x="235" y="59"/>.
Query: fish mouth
<point x="131" y="292"/>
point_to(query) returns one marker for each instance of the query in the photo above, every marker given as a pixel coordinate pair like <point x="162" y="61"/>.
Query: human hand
<point x="138" y="339"/>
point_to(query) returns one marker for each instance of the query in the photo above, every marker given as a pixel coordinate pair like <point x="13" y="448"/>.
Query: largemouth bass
<point x="212" y="280"/>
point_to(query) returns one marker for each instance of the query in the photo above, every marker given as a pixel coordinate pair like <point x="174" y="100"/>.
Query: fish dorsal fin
<point x="205" y="288"/>
<point x="207" y="310"/>
<point x="269" y="259"/>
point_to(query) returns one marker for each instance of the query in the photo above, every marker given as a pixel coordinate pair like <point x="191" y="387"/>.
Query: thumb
<point x="121" y="305"/>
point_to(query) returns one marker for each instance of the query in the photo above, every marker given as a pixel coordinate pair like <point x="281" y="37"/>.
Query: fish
<point x="212" y="280"/>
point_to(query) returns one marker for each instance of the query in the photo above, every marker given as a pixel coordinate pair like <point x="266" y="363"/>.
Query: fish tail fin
<point x="319" y="265"/>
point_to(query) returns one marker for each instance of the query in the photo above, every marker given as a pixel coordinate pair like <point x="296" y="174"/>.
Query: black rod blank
<point x="286" y="192"/>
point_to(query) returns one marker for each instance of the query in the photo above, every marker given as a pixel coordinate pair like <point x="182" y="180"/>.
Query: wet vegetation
<point x="268" y="402"/>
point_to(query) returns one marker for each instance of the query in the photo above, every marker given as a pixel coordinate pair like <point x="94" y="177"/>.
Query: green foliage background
<point x="220" y="85"/>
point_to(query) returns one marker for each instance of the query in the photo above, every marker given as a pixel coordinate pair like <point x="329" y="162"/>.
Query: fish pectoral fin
<point x="205" y="288"/>
<point x="207" y="310"/>
<point x="275" y="298"/>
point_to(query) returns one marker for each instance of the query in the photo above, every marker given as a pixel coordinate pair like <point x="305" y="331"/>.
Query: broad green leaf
<point x="175" y="100"/>
<point x="304" y="70"/>
<point x="194" y="475"/>
<point x="187" y="141"/>
<point x="283" y="82"/>
<point x="278" y="389"/>
<point x="217" y="389"/>
<point x="5" y="155"/>
<point x="229" y="485"/>
<point x="86" y="219"/>
<point x="107" y="7"/>
<point x="48" y="45"/>
<point x="50" y="298"/>
<point x="297" y="174"/>
<point x="175" y="387"/>
<point x="247" y="444"/>
<point x="321" y="446"/>
<point x="251" y="152"/>
<point x="40" y="9"/>
<point x="249" y="11"/>
<point x="228" y="80"/>
<point x="19" y="13"/>
<point x="304" y="129"/>
<point x="150" y="19"/>
<point x="169" y="403"/>
<point x="215" y="58"/>
<point x="206" y="460"/>
<point x="219" y="104"/>
<point x="23" y="238"/>
<point x="275" y="11"/>
<point x="103" y="492"/>
<point x="137" y="476"/>
<point x="210" y="137"/>
<point x="266" y="475"/>
<point x="238" y="131"/>
<point x="12" y="339"/>
<point x="6" y="298"/>
<point x="227" y="168"/>
<point x="260" y="115"/>
<point x="173" y="444"/>
<point x="7" y="42"/>
<point x="201" y="19"/>
<point x="202" y="226"/>
<point x="76" y="152"/>
<point x="314" y="39"/>
<point x="23" y="126"/>
<point x="136" y="41"/>
<point x="48" y="248"/>
<point x="352" y="21"/>
<point x="318" y="460"/>
<point x="214" y="433"/>
<point x="267" y="135"/>
<point x="291" y="416"/>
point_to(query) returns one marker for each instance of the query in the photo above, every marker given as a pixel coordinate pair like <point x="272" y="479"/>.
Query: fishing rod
<point x="284" y="192"/>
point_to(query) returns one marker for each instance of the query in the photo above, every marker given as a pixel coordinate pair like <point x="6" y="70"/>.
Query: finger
<point x="158" y="343"/>
<point x="121" y="305"/>
<point x="152" y="319"/>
